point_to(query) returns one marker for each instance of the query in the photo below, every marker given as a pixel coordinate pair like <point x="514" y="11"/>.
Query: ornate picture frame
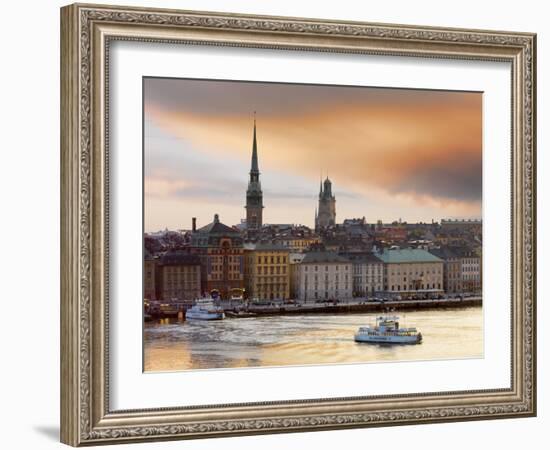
<point x="87" y="32"/>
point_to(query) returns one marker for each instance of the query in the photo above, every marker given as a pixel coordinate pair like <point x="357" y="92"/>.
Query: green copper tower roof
<point x="407" y="255"/>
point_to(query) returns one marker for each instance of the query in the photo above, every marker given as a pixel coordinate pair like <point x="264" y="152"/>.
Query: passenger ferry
<point x="387" y="331"/>
<point x="204" y="309"/>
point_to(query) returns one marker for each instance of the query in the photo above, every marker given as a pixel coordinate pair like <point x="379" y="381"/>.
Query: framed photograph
<point x="275" y="224"/>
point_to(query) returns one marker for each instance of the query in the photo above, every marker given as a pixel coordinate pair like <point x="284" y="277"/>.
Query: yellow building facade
<point x="267" y="272"/>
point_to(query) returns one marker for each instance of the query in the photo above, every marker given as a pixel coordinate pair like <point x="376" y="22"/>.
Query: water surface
<point x="306" y="339"/>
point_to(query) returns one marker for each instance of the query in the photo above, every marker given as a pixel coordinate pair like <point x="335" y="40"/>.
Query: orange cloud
<point x="428" y="151"/>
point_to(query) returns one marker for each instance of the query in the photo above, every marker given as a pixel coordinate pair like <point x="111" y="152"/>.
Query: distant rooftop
<point x="216" y="227"/>
<point x="460" y="221"/>
<point x="147" y="256"/>
<point x="179" y="258"/>
<point x="265" y="246"/>
<point x="445" y="253"/>
<point x="323" y="257"/>
<point x="407" y="255"/>
<point x="362" y="257"/>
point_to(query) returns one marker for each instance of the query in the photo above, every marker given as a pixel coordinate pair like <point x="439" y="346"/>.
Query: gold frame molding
<point x="86" y="32"/>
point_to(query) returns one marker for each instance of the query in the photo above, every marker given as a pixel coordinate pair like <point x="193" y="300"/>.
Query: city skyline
<point x="391" y="153"/>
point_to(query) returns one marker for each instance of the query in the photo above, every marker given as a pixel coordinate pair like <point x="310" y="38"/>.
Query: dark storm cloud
<point x="242" y="98"/>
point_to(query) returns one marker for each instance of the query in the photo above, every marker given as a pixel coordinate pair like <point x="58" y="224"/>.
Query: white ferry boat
<point x="204" y="309"/>
<point x="387" y="331"/>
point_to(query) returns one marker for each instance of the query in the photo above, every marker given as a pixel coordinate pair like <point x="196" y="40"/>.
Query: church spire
<point x="254" y="165"/>
<point x="254" y="196"/>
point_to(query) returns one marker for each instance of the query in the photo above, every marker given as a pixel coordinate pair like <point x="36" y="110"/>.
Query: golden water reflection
<point x="306" y="339"/>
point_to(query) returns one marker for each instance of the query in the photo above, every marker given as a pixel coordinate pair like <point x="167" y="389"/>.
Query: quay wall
<point x="344" y="308"/>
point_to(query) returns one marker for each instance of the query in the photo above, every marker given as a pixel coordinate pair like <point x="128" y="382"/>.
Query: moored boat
<point x="204" y="309"/>
<point x="387" y="331"/>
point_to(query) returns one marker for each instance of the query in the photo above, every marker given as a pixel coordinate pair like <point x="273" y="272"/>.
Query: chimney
<point x="194" y="224"/>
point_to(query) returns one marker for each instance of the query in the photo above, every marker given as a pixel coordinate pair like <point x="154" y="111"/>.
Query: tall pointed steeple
<point x="254" y="196"/>
<point x="254" y="164"/>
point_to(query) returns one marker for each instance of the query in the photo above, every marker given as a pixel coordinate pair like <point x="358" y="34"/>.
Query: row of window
<point x="266" y="279"/>
<point x="337" y="268"/>
<point x="416" y="271"/>
<point x="225" y="259"/>
<point x="180" y="269"/>
<point x="359" y="280"/>
<point x="183" y="285"/>
<point x="296" y="243"/>
<point x="226" y="251"/>
<point x="230" y="267"/>
<point x="336" y="286"/>
<point x="470" y="277"/>
<point x="271" y="259"/>
<point x="474" y="261"/>
<point x="182" y="277"/>
<point x="230" y="276"/>
<point x="316" y="277"/>
<point x="271" y="270"/>
<point x="410" y="287"/>
<point x="369" y="269"/>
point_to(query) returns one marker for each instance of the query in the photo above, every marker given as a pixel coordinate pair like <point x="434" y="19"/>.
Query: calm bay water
<point x="306" y="339"/>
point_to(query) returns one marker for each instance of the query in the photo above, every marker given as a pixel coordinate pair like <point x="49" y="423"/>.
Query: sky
<point x="391" y="154"/>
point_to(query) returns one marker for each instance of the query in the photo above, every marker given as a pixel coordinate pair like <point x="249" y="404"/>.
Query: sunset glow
<point x="390" y="153"/>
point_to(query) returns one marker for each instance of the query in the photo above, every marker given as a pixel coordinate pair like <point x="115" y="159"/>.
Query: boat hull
<point x="204" y="315"/>
<point x="417" y="339"/>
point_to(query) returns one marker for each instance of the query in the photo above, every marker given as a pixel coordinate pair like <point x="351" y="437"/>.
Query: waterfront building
<point x="149" y="269"/>
<point x="470" y="263"/>
<point x="452" y="268"/>
<point x="324" y="275"/>
<point x="254" y="197"/>
<point x="179" y="276"/>
<point x="325" y="216"/>
<point x="368" y="273"/>
<point x="267" y="272"/>
<point x="220" y="249"/>
<point x="462" y="225"/>
<point x="411" y="271"/>
<point x="294" y="260"/>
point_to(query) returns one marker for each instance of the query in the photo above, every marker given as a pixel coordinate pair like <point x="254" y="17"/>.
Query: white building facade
<point x="412" y="271"/>
<point x="324" y="276"/>
<point x="368" y="273"/>
<point x="471" y="272"/>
